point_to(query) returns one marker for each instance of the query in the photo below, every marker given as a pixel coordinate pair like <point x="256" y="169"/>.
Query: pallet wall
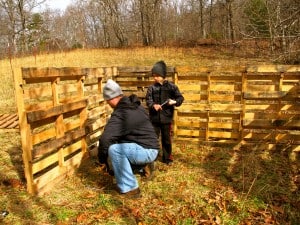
<point x="59" y="112"/>
<point x="242" y="105"/>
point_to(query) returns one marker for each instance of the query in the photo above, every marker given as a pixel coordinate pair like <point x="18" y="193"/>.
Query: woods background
<point x="253" y="27"/>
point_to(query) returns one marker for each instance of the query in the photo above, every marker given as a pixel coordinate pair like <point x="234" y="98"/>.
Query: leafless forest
<point x="270" y="27"/>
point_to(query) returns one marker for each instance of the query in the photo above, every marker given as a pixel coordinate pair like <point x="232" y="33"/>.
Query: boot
<point x="148" y="171"/>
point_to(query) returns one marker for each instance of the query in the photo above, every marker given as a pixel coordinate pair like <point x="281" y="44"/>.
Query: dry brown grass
<point x="110" y="57"/>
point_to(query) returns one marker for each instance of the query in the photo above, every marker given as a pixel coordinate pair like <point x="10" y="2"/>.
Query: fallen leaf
<point x="81" y="218"/>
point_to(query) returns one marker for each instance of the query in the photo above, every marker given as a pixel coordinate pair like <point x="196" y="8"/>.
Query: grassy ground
<point x="205" y="185"/>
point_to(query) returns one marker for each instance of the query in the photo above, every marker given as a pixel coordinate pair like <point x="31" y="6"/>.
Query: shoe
<point x="148" y="171"/>
<point x="169" y="162"/>
<point x="133" y="194"/>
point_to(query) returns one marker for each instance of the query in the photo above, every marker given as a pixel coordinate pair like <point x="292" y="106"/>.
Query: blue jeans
<point x="122" y="156"/>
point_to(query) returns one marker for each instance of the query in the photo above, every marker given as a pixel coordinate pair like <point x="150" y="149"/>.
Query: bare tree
<point x="230" y="20"/>
<point x="115" y="23"/>
<point x="150" y="11"/>
<point x="113" y="9"/>
<point x="18" y="14"/>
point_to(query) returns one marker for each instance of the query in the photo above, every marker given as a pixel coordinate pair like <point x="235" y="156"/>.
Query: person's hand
<point x="172" y="102"/>
<point x="157" y="107"/>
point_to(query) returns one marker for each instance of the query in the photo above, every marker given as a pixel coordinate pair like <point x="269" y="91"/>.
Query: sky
<point x="58" y="4"/>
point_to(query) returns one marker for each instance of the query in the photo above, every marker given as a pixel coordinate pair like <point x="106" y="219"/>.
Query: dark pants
<point x="165" y="131"/>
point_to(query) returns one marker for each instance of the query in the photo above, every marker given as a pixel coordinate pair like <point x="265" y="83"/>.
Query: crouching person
<point x="128" y="138"/>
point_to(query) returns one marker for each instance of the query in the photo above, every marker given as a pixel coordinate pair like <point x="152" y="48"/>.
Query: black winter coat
<point x="129" y="123"/>
<point x="158" y="94"/>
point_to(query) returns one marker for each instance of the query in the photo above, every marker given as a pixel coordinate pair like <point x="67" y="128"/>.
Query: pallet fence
<point x="254" y="105"/>
<point x="62" y="113"/>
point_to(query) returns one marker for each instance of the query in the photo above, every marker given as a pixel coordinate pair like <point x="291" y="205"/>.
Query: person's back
<point x="128" y="138"/>
<point x="129" y="122"/>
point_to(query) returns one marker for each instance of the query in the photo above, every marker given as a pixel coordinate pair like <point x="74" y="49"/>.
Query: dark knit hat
<point x="160" y="68"/>
<point x="111" y="90"/>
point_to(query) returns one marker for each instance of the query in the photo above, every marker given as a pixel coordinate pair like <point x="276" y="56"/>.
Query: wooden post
<point x="83" y="113"/>
<point x="59" y="123"/>
<point x="208" y="102"/>
<point x="243" y="103"/>
<point x="175" y="118"/>
<point x="25" y="131"/>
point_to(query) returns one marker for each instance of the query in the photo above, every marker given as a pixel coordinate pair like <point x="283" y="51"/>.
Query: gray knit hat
<point x="111" y="90"/>
<point x="160" y="68"/>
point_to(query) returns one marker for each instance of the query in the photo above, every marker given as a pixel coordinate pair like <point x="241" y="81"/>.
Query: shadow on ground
<point x="266" y="180"/>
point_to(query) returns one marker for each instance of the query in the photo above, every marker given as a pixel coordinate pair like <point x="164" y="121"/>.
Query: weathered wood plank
<point x="34" y="72"/>
<point x="272" y="68"/>
<point x="270" y="95"/>
<point x="55" y="144"/>
<point x="43" y="136"/>
<point x="210" y="107"/>
<point x="37" y="92"/>
<point x="140" y="69"/>
<point x="10" y="121"/>
<point x="271" y="124"/>
<point x="137" y="83"/>
<point x="94" y="125"/>
<point x="55" y="111"/>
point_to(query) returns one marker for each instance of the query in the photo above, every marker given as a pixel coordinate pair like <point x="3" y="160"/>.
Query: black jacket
<point x="158" y="94"/>
<point x="129" y="123"/>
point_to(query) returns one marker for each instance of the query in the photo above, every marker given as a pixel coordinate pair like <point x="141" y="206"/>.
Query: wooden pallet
<point x="9" y="121"/>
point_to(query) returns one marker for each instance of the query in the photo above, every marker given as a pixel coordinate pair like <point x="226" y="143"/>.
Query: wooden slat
<point x="43" y="136"/>
<point x="271" y="124"/>
<point x="37" y="92"/>
<point x="94" y="125"/>
<point x="70" y="149"/>
<point x="270" y="95"/>
<point x="223" y="134"/>
<point x="139" y="69"/>
<point x="45" y="181"/>
<point x="38" y="106"/>
<point x="10" y="121"/>
<point x="28" y="73"/>
<point x="58" y="143"/>
<point x="3" y="116"/>
<point x="210" y="107"/>
<point x="75" y="123"/>
<point x="6" y="117"/>
<point x="97" y="111"/>
<point x="93" y="138"/>
<point x="287" y="108"/>
<point x="55" y="111"/>
<point x="190" y="133"/>
<point x="270" y="115"/>
<point x="138" y="83"/>
<point x="190" y="124"/>
<point x="272" y="68"/>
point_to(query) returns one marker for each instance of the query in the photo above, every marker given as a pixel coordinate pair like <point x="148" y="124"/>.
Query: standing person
<point x="161" y="99"/>
<point x="128" y="138"/>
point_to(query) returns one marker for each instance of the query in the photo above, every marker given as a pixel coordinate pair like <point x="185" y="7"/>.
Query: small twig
<point x="249" y="190"/>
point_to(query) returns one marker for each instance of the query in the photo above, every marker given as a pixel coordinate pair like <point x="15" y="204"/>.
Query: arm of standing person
<point x="149" y="100"/>
<point x="178" y="97"/>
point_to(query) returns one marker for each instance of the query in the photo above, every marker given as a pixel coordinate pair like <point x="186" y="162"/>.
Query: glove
<point x="172" y="102"/>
